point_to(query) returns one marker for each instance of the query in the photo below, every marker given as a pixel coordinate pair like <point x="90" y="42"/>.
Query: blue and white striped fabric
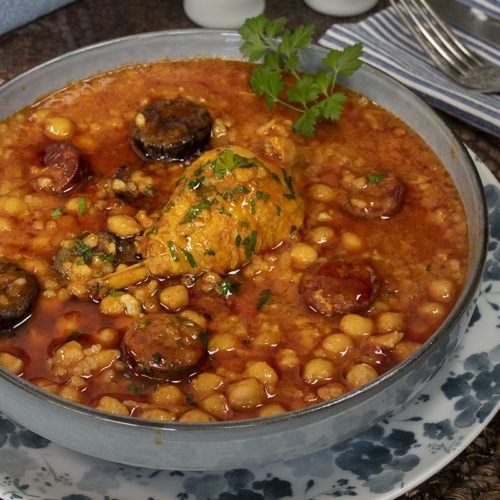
<point x="389" y="46"/>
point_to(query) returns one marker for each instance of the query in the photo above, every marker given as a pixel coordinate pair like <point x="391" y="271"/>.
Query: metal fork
<point x="445" y="49"/>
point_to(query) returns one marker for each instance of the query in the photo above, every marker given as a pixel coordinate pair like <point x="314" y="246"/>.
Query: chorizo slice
<point x="171" y="130"/>
<point x="108" y="247"/>
<point x="64" y="169"/>
<point x="18" y="292"/>
<point x="164" y="346"/>
<point x="372" y="196"/>
<point x="339" y="286"/>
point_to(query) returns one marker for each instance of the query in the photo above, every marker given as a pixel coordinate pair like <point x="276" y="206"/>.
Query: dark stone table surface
<point x="89" y="21"/>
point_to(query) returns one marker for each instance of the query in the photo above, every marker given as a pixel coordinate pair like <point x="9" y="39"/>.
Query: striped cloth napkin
<point x="389" y="46"/>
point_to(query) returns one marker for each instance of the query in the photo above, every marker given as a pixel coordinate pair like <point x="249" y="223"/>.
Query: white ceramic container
<point x="222" y="445"/>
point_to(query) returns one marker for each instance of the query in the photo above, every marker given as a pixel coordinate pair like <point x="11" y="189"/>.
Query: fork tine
<point x="440" y="28"/>
<point x="421" y="33"/>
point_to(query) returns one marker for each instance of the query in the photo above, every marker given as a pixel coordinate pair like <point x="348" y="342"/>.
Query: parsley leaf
<point x="82" y="205"/>
<point x="375" y="179"/>
<point x="57" y="212"/>
<point x="313" y="95"/>
<point x="264" y="296"/>
<point x="194" y="211"/>
<point x="228" y="287"/>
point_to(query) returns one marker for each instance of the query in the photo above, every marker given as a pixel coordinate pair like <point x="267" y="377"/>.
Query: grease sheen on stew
<point x="239" y="270"/>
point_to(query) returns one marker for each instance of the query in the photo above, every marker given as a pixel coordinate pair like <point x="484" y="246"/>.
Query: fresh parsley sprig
<point x="313" y="96"/>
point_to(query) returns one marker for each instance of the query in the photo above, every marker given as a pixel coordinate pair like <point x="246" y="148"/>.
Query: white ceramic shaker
<point x="225" y="14"/>
<point x="341" y="7"/>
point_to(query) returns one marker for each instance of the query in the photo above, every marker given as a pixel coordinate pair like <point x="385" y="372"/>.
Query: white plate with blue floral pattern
<point x="387" y="460"/>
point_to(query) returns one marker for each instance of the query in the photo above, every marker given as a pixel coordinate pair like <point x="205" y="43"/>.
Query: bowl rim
<point x="337" y="404"/>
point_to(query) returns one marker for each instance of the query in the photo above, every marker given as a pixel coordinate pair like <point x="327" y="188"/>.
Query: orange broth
<point x="419" y="253"/>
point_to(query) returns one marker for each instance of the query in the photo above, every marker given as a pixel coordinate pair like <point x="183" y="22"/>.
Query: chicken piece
<point x="228" y="206"/>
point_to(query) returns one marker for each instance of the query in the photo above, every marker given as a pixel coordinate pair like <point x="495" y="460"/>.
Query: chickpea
<point x="263" y="372"/>
<point x="245" y="394"/>
<point x="58" y="128"/>
<point x="244" y="174"/>
<point x="321" y="192"/>
<point x="222" y="342"/>
<point x="352" y="242"/>
<point x="5" y="224"/>
<point x="195" y="317"/>
<point x="321" y="234"/>
<point x="123" y="226"/>
<point x="431" y="310"/>
<point x="359" y="375"/>
<point x="11" y="363"/>
<point x="13" y="205"/>
<point x="174" y="297"/>
<point x="355" y="325"/>
<point x="166" y="396"/>
<point x="196" y="416"/>
<point x="206" y="382"/>
<point x="287" y="358"/>
<point x="270" y="410"/>
<point x="107" y="337"/>
<point x="155" y="414"/>
<point x="216" y="405"/>
<point x="404" y="349"/>
<point x="112" y="405"/>
<point x="331" y="390"/>
<point x="303" y="255"/>
<point x="337" y="344"/>
<point x="390" y="321"/>
<point x="269" y="336"/>
<point x="72" y="394"/>
<point x="318" y="370"/>
<point x="441" y="290"/>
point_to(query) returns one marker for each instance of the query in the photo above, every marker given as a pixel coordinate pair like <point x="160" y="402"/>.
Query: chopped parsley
<point x="243" y="223"/>
<point x="74" y="335"/>
<point x="223" y="211"/>
<point x="173" y="253"/>
<point x="203" y="336"/>
<point x="228" y="161"/>
<point x="252" y="206"/>
<point x="262" y="196"/>
<point x="264" y="296"/>
<point x="189" y="257"/>
<point x="194" y="211"/>
<point x="249" y="241"/>
<point x="237" y="241"/>
<point x="228" y="287"/>
<point x="195" y="183"/>
<point x="293" y="229"/>
<point x="84" y="250"/>
<point x="153" y="230"/>
<point x="229" y="194"/>
<point x="156" y="357"/>
<point x="149" y="191"/>
<point x="190" y="399"/>
<point x="107" y="257"/>
<point x="375" y="179"/>
<point x="135" y="389"/>
<point x="289" y="185"/>
<point x="116" y="293"/>
<point x="82" y="205"/>
<point x="209" y="251"/>
<point x="143" y="324"/>
<point x="57" y="212"/>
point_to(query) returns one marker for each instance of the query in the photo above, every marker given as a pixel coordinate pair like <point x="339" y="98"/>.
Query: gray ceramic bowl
<point x="192" y="446"/>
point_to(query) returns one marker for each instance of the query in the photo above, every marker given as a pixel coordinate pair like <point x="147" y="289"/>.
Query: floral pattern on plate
<point x="383" y="462"/>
